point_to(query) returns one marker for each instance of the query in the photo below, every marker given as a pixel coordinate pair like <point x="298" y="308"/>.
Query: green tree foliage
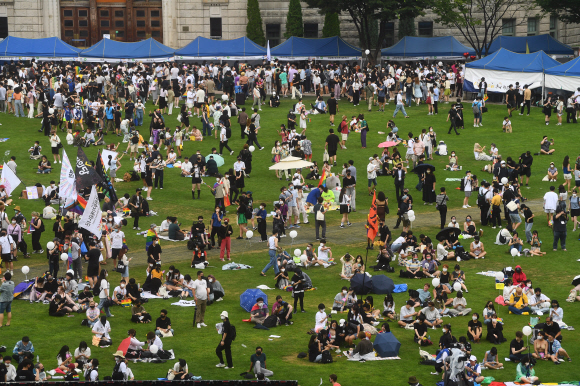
<point x="331" y="25"/>
<point x="407" y="27"/>
<point x="294" y="26"/>
<point x="254" y="29"/>
<point x="566" y="10"/>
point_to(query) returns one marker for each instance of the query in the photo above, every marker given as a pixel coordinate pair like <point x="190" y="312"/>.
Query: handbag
<point x="428" y="100"/>
<point x="419" y="186"/>
<point x="325" y="156"/>
<point x="59" y="145"/>
<point x="120" y="267"/>
<point x="320" y="215"/>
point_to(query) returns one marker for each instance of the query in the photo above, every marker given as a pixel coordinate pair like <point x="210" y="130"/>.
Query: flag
<point x="99" y="166"/>
<point x="268" y="52"/>
<point x="105" y="155"/>
<point x="91" y="219"/>
<point x="322" y="181"/>
<point x="9" y="179"/>
<point x="77" y="206"/>
<point x="150" y="234"/>
<point x="85" y="174"/>
<point x="485" y="98"/>
<point x="106" y="185"/>
<point x="373" y="219"/>
<point x="67" y="178"/>
<point x="527" y="48"/>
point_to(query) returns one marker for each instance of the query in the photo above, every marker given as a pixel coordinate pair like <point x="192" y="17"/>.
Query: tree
<point x="254" y="29"/>
<point x="331" y="25"/>
<point x="294" y="26"/>
<point x="481" y="21"/>
<point x="566" y="10"/>
<point x="406" y="27"/>
<point x="366" y="14"/>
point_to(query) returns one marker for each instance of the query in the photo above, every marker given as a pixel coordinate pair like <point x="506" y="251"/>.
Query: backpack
<point x="117" y="375"/>
<point x="271" y="321"/>
<point x="480" y="200"/>
<point x="228" y="132"/>
<point x="135" y="139"/>
<point x="97" y="288"/>
<point x="326" y="357"/>
<point x="233" y="332"/>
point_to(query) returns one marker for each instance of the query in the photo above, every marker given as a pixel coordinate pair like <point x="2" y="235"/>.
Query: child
<point x="507" y="125"/>
<point x="536" y="243"/>
<point x="35" y="151"/>
<point x="69" y="137"/>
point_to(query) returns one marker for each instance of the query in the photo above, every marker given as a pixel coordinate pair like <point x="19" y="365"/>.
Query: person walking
<point x="272" y="249"/>
<point x="400" y="105"/>
<point x="224" y="140"/>
<point x="441" y="205"/>
<point x="200" y="293"/>
<point x="226" y="342"/>
<point x="6" y="297"/>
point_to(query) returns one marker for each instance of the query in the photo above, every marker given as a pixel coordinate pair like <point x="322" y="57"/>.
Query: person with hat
<point x="120" y="369"/>
<point x="226" y="342"/>
<point x="473" y="370"/>
<point x="413" y="381"/>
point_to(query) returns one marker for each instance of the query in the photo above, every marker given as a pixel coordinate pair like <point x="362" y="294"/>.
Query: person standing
<point x="399" y="176"/>
<point x="400" y="105"/>
<point x="6" y="297"/>
<point x="272" y="249"/>
<point x="225" y="236"/>
<point x="135" y="205"/>
<point x="243" y="121"/>
<point x="559" y="227"/>
<point x="441" y="203"/>
<point x="200" y="292"/>
<point x="224" y="140"/>
<point x="38" y="229"/>
<point x="527" y="100"/>
<point x="226" y="342"/>
<point x="319" y="218"/>
<point x="550" y="203"/>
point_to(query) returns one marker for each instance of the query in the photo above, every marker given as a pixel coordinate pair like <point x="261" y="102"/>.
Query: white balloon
<point x="458" y="258"/>
<point x="64" y="256"/>
<point x="514" y="252"/>
<point x="249" y="234"/>
<point x="527" y="330"/>
<point x="499" y="276"/>
<point x="293" y="234"/>
<point x="153" y="348"/>
<point x="224" y="97"/>
<point x="25" y="269"/>
<point x="411" y="215"/>
<point x="435" y="282"/>
<point x="367" y="52"/>
<point x="504" y="181"/>
<point x="51" y="111"/>
<point x="297" y="252"/>
<point x="49" y="245"/>
<point x="457" y="287"/>
<point x="251" y="148"/>
<point x="303" y="259"/>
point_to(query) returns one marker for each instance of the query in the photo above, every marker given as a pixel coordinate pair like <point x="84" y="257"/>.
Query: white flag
<point x="91" y="219"/>
<point x="268" y="52"/>
<point x="105" y="157"/>
<point x="9" y="179"/>
<point x="67" y="186"/>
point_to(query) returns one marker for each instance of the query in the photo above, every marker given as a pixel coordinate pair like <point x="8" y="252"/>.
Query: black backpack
<point x="326" y="357"/>
<point x="117" y="375"/>
<point x="480" y="200"/>
<point x="233" y="332"/>
<point x="97" y="288"/>
<point x="228" y="132"/>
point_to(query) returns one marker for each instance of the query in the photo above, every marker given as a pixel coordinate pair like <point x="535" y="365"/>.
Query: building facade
<point x="175" y="23"/>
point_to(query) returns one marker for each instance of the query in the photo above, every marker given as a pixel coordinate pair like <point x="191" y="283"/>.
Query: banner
<point x="499" y="81"/>
<point x="91" y="219"/>
<point x="85" y="174"/>
<point x="9" y="179"/>
<point x="373" y="219"/>
<point x="105" y="155"/>
<point x="67" y="178"/>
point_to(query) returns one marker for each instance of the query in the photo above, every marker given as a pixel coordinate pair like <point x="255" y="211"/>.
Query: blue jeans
<point x="18" y="110"/>
<point x="529" y="226"/>
<point x="138" y="117"/>
<point x="102" y="306"/>
<point x="516" y="246"/>
<point x="399" y="107"/>
<point x="273" y="262"/>
<point x="91" y="324"/>
<point x="518" y="311"/>
<point x="206" y="128"/>
<point x="559" y="236"/>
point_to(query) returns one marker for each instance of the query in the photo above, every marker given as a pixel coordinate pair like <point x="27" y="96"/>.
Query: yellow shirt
<point x="519" y="300"/>
<point x="496" y="200"/>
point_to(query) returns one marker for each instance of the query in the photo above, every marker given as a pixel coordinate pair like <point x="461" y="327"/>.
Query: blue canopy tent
<point x="565" y="76"/>
<point x="413" y="48"/>
<point x="333" y="48"/>
<point x="149" y="50"/>
<point x="530" y="44"/>
<point x="13" y="48"/>
<point x="236" y="49"/>
<point x="504" y="67"/>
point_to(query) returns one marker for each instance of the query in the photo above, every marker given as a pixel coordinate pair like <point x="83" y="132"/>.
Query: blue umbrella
<point x="361" y="284"/>
<point x="249" y="298"/>
<point x="386" y="345"/>
<point x="383" y="284"/>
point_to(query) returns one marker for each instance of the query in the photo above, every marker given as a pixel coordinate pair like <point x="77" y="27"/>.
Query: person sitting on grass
<point x="536" y="244"/>
<point x="473" y="370"/>
<point x="476" y="249"/>
<point x="44" y="166"/>
<point x="474" y="328"/>
<point x="541" y="347"/>
<point x="507" y="125"/>
<point x="490" y="360"/>
<point x="139" y="314"/>
<point x="525" y="372"/>
<point x="518" y="303"/>
<point x="432" y="315"/>
<point x="407" y="313"/>
<point x="555" y="350"/>
<point x="259" y="311"/>
<point x="517" y="348"/>
<point x="552" y="172"/>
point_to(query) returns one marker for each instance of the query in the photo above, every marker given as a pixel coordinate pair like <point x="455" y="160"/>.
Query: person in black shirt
<point x="510" y="100"/>
<point x="459" y="109"/>
<point x="225" y="343"/>
<point x="452" y="116"/>
<point x="25" y="373"/>
<point x="163" y="323"/>
<point x="332" y="106"/>
<point x="50" y="286"/>
<point x="86" y="296"/>
<point x="129" y="108"/>
<point x="331" y="145"/>
<point x="517" y="348"/>
<point x="291" y="120"/>
<point x="274" y="100"/>
<point x="447" y="339"/>
<point x="56" y="306"/>
<point x="552" y="328"/>
<point x="3" y="370"/>
<point x="474" y="328"/>
<point x="421" y="331"/>
<point x="154" y="252"/>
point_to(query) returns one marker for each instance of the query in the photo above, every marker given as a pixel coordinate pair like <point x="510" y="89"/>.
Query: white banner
<point x="9" y="179"/>
<point x="91" y="219"/>
<point x="67" y="186"/>
<point x="105" y="157"/>
<point x="499" y="81"/>
<point x="569" y="83"/>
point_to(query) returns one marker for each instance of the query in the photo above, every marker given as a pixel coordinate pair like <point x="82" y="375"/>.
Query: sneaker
<point x="41" y="251"/>
<point x="134" y="227"/>
<point x="220" y="365"/>
<point x="203" y="324"/>
<point x="464" y="206"/>
<point x="296" y="226"/>
<point x="342" y="225"/>
<point x="231" y="152"/>
<point x="149" y="199"/>
<point x="199" y="326"/>
<point x="227" y="368"/>
<point x="349" y="224"/>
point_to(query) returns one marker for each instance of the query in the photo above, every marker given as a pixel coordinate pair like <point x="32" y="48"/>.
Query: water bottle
<point x="37" y="359"/>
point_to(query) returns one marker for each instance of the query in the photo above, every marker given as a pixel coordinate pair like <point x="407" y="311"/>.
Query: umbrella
<point x="361" y="284"/>
<point x="383" y="284"/>
<point x="422" y="167"/>
<point x="387" y="144"/>
<point x="386" y="345"/>
<point x="444" y="233"/>
<point x="217" y="158"/>
<point x="291" y="163"/>
<point x="576" y="281"/>
<point x="249" y="297"/>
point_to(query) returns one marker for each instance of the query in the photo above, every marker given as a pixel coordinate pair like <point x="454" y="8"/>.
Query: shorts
<point x="134" y="148"/>
<point x="292" y="211"/>
<point x="198" y="105"/>
<point x="381" y="99"/>
<point x="7" y="257"/>
<point x="372" y="181"/>
<point x="577" y="183"/>
<point x="5" y="307"/>
<point x="189" y="105"/>
<point x="331" y="153"/>
<point x="568" y="176"/>
<point x="574" y="212"/>
<point x="210" y="94"/>
<point x="406" y="223"/>
<point x="515" y="218"/>
<point x="468" y="194"/>
<point x="476" y="115"/>
<point x="527" y="172"/>
<point x="143" y="175"/>
<point x="112" y="173"/>
<point x="344" y="137"/>
<point x="79" y="121"/>
<point x="92" y="271"/>
<point x="54" y="150"/>
<point x="195" y="180"/>
<point x="408" y="321"/>
<point x="410" y="157"/>
<point x="549" y="211"/>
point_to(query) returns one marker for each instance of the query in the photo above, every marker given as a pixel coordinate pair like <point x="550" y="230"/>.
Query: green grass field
<point x="553" y="273"/>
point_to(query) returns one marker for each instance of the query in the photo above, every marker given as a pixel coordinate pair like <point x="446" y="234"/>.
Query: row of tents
<point x="509" y="62"/>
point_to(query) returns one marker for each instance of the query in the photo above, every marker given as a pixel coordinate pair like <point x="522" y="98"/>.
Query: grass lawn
<point x="553" y="274"/>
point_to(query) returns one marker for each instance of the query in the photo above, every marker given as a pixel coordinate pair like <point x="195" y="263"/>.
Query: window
<point x="105" y="32"/>
<point x="104" y="13"/>
<point x="141" y="34"/>
<point x="83" y="23"/>
<point x="426" y="28"/>
<point x="273" y="34"/>
<point x="68" y="13"/>
<point x="68" y="23"/>
<point x="532" y="26"/>
<point x="215" y="27"/>
<point x="140" y="13"/>
<point x="104" y="23"/>
<point x="69" y="33"/>
<point x="311" y="30"/>
<point x="155" y="34"/>
<point x="140" y="23"/>
<point x="389" y="27"/>
<point x="84" y="33"/>
<point x="118" y="13"/>
<point x="120" y="34"/>
<point x="156" y="23"/>
<point x="554" y="27"/>
<point x="154" y="13"/>
<point x="508" y="27"/>
<point x="83" y="13"/>
<point x="185" y="28"/>
<point x="3" y="27"/>
<point x="119" y="23"/>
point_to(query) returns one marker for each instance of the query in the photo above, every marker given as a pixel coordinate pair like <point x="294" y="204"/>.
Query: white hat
<point x="371" y="158"/>
<point x="473" y="358"/>
<point x="225" y="314"/>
